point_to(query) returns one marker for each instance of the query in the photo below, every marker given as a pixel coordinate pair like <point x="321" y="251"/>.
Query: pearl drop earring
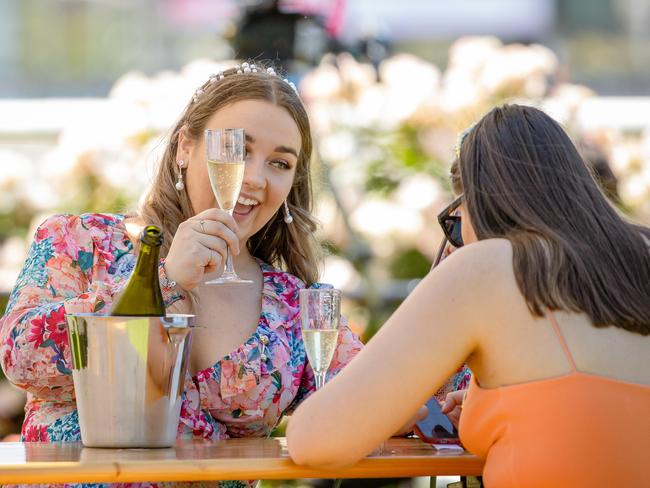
<point x="180" y="186"/>
<point x="288" y="218"/>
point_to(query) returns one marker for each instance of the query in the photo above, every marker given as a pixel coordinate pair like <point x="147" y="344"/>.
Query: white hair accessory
<point x="244" y="68"/>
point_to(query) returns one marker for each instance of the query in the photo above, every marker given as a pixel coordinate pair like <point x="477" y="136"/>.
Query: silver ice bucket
<point x="128" y="375"/>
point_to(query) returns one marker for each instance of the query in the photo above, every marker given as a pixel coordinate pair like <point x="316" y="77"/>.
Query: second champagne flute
<point x="320" y="314"/>
<point x="225" y="150"/>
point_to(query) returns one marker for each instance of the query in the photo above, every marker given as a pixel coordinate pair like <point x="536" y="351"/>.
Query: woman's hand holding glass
<point x="200" y="247"/>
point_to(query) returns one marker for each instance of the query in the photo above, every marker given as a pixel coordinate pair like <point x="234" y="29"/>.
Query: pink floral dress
<point x="84" y="261"/>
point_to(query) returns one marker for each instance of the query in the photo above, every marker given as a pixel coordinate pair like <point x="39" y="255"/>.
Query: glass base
<point x="228" y="278"/>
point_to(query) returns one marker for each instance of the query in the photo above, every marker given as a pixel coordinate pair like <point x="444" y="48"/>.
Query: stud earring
<point x="179" y="183"/>
<point x="288" y="218"/>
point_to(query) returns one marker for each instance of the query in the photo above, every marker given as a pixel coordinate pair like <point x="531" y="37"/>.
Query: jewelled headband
<point x="244" y="68"/>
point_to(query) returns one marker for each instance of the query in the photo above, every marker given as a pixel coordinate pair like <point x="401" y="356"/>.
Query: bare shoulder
<point x="493" y="248"/>
<point x="482" y="260"/>
<point x="480" y="274"/>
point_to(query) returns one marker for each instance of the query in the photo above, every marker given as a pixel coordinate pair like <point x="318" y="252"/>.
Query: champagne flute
<point x="225" y="154"/>
<point x="320" y="314"/>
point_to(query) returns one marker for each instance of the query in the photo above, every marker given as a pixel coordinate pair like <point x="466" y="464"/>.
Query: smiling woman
<point x="273" y="144"/>
<point x="248" y="365"/>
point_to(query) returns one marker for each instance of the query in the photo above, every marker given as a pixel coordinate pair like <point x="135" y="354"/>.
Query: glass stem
<point x="320" y="379"/>
<point x="229" y="267"/>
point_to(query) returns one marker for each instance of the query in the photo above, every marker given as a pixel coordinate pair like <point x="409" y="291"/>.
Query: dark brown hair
<point x="290" y="246"/>
<point x="524" y="180"/>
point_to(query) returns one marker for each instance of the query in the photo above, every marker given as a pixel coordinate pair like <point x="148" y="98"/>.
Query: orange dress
<point x="577" y="429"/>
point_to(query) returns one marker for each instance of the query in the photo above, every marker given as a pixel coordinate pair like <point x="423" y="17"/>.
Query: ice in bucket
<point x="128" y="375"/>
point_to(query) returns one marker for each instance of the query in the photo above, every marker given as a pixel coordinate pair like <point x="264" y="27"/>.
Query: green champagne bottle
<point x="142" y="296"/>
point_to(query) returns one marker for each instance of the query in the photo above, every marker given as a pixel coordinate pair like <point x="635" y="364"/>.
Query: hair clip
<point x="197" y="94"/>
<point x="461" y="137"/>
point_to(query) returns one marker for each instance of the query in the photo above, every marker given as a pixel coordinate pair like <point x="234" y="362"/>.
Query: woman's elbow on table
<point x="307" y="449"/>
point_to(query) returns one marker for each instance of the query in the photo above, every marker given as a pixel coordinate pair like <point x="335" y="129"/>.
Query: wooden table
<point x="233" y="459"/>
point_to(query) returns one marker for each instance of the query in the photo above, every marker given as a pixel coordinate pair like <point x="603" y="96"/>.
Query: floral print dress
<point x="80" y="263"/>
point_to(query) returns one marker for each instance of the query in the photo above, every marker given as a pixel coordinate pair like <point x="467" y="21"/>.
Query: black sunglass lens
<point x="453" y="230"/>
<point x="456" y="233"/>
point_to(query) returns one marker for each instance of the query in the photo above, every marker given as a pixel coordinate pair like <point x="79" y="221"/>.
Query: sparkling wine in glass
<point x="225" y="153"/>
<point x="320" y="314"/>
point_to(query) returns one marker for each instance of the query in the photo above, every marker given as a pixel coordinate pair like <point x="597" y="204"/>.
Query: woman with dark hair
<point x="548" y="302"/>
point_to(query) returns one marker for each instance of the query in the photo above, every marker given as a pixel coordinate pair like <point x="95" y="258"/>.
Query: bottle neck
<point x="147" y="260"/>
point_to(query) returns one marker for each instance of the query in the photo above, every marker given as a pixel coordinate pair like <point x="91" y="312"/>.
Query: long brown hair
<point x="524" y="180"/>
<point x="293" y="246"/>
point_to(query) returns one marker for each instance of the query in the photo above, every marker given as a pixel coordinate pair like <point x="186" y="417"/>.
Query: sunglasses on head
<point x="450" y="224"/>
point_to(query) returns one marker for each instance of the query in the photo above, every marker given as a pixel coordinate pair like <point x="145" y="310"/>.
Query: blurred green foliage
<point x="409" y="264"/>
<point x="401" y="155"/>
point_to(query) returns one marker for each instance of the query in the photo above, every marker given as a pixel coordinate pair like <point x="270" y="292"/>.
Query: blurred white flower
<point x="151" y="154"/>
<point x="340" y="273"/>
<point x="349" y="179"/>
<point x="198" y="71"/>
<point x="16" y="168"/>
<point x="410" y="82"/>
<point x="12" y="255"/>
<point x="168" y="97"/>
<point x="469" y="54"/>
<point x="322" y="116"/>
<point x="374" y="110"/>
<point x="518" y="67"/>
<point x="132" y="87"/>
<point x="645" y="145"/>
<point x="164" y="95"/>
<point x="418" y="192"/>
<point x="323" y="82"/>
<point x="40" y="194"/>
<point x="355" y="76"/>
<point x="338" y="146"/>
<point x="564" y="101"/>
<point x="125" y="171"/>
<point x="117" y="123"/>
<point x="645" y="174"/>
<point x="410" y="75"/>
<point x="381" y="219"/>
<point x="634" y="190"/>
<point x="621" y="158"/>
<point x="326" y="213"/>
<point x="439" y="142"/>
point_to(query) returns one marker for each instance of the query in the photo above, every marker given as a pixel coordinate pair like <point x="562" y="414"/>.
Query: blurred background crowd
<point x="88" y="89"/>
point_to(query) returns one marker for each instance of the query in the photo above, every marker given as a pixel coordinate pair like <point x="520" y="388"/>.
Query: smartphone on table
<point x="436" y="428"/>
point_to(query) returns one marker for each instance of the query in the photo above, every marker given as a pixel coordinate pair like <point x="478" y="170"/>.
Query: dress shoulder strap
<point x="563" y="343"/>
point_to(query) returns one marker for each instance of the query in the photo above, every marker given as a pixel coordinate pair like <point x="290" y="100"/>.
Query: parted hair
<point x="291" y="247"/>
<point x="524" y="180"/>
